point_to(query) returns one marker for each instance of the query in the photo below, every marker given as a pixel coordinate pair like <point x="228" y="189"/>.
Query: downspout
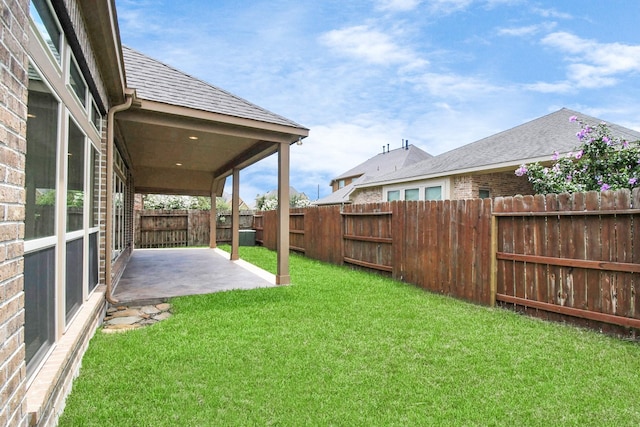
<point x="129" y="95"/>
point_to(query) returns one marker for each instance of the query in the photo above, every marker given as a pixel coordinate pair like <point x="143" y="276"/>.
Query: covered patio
<point x="154" y="275"/>
<point x="176" y="134"/>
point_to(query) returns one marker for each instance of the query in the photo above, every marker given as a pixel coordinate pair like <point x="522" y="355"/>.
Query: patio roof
<point x="184" y="136"/>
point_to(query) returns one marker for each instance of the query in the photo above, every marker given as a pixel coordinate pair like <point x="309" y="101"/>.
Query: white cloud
<point x="551" y="13"/>
<point x="397" y="5"/>
<point x="592" y="64"/>
<point x="370" y="45"/>
<point x="454" y="86"/>
<point x="526" y="30"/>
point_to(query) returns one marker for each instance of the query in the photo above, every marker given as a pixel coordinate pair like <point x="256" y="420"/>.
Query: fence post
<point x="494" y="260"/>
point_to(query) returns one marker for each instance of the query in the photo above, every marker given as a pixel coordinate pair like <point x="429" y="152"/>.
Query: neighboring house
<point x="389" y="161"/>
<point x="84" y="125"/>
<point x="484" y="168"/>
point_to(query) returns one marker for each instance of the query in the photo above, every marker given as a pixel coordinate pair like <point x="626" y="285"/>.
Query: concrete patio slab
<point x="154" y="275"/>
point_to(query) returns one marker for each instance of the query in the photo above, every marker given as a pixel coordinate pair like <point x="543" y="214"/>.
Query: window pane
<point x="433" y="193"/>
<point x="484" y="194"/>
<point x="46" y="23"/>
<point x="73" y="286"/>
<point x="96" y="117"/>
<point x="39" y="300"/>
<point x="93" y="261"/>
<point x="94" y="180"/>
<point x="75" y="178"/>
<point x="393" y="195"/>
<point x="77" y="83"/>
<point x="412" y="194"/>
<point x="40" y="169"/>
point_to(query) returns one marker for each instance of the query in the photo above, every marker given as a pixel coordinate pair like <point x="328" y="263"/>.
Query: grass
<point x="347" y="348"/>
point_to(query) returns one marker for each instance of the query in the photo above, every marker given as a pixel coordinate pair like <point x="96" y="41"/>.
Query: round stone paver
<point x="123" y="318"/>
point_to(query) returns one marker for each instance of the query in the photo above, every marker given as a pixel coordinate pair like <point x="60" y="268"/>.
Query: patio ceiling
<point x="176" y="150"/>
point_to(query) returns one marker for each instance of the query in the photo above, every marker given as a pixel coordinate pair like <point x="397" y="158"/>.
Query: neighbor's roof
<point x="387" y="162"/>
<point x="156" y="81"/>
<point x="532" y="141"/>
<point x="380" y="164"/>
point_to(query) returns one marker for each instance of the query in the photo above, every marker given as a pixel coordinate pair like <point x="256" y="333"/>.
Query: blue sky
<point x="363" y="74"/>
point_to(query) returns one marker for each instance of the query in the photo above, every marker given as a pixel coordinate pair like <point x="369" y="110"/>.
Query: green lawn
<point x="347" y="348"/>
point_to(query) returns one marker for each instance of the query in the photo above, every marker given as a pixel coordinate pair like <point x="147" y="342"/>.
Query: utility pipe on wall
<point x="129" y="95"/>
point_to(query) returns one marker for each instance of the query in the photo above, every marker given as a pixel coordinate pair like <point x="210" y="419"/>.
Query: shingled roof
<point x="533" y="141"/>
<point x="156" y="81"/>
<point x="380" y="164"/>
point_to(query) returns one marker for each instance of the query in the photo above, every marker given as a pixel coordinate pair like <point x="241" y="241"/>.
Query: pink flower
<point x="579" y="154"/>
<point x="605" y="187"/>
<point x="555" y="155"/>
<point x="632" y="181"/>
<point x="522" y="170"/>
<point x="573" y="118"/>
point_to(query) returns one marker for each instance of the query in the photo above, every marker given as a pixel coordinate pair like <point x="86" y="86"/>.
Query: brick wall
<point x="13" y="116"/>
<point x="503" y="184"/>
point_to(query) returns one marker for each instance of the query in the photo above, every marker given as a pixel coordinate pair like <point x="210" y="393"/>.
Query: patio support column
<point x="235" y="215"/>
<point x="282" y="274"/>
<point x="213" y="221"/>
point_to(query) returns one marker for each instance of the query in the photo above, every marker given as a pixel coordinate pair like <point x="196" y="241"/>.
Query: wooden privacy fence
<point x="571" y="255"/>
<point x="563" y="257"/>
<point x="157" y="228"/>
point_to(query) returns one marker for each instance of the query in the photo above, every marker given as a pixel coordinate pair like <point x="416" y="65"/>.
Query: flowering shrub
<point x="601" y="163"/>
<point x="269" y="203"/>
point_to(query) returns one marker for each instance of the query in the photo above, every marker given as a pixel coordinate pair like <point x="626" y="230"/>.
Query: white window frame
<point x="444" y="183"/>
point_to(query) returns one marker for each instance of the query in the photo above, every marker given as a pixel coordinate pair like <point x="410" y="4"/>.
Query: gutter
<point x="129" y="96"/>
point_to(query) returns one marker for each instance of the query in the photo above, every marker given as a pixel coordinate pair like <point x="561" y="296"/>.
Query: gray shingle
<point x="531" y="140"/>
<point x="156" y="81"/>
<point x="384" y="163"/>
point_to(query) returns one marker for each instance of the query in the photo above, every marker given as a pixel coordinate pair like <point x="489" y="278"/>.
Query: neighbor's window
<point x="75" y="178"/>
<point x="40" y="168"/>
<point x="484" y="193"/>
<point x="412" y="194"/>
<point x="341" y="183"/>
<point x="393" y="195"/>
<point x="47" y="25"/>
<point x="433" y="193"/>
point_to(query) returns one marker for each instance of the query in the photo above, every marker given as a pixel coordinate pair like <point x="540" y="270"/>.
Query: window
<point x="77" y="83"/>
<point x="75" y="178"/>
<point x="39" y="305"/>
<point x="47" y="26"/>
<point x="96" y="117"/>
<point x="341" y="183"/>
<point x="393" y="195"/>
<point x="433" y="193"/>
<point x="412" y="194"/>
<point x="94" y="183"/>
<point x="40" y="168"/>
<point x="483" y="193"/>
<point x="119" y="203"/>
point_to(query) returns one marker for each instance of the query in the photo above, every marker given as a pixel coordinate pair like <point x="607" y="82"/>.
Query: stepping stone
<point x="126" y="313"/>
<point x="162" y="316"/>
<point x="129" y="320"/>
<point x="164" y="306"/>
<point x="149" y="309"/>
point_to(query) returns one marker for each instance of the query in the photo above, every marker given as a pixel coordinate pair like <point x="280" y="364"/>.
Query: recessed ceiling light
<point x="178" y="164"/>
<point x="193" y="137"/>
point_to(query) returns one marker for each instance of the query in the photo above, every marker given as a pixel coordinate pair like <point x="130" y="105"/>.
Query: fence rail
<point x="561" y="257"/>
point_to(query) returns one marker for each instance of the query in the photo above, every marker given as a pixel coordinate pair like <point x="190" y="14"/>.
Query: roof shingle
<point x="156" y="81"/>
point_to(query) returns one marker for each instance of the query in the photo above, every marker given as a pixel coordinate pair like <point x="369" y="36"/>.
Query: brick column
<point x="13" y="119"/>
